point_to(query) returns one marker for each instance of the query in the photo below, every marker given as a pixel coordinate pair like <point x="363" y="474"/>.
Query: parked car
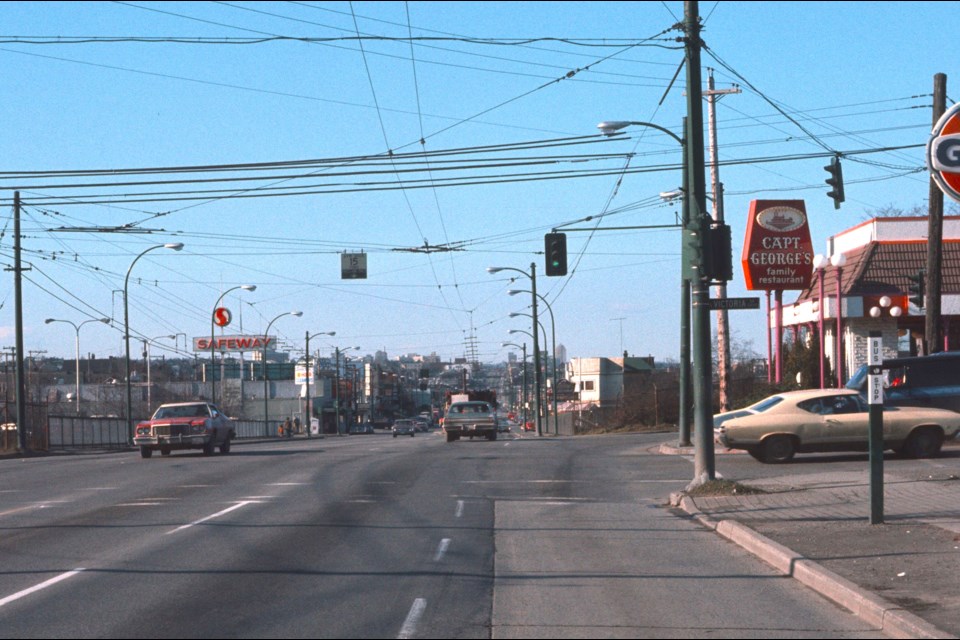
<point x="185" y="425"/>
<point x="920" y="381"/>
<point x="720" y="419"/>
<point x="404" y="428"/>
<point x="833" y="420"/>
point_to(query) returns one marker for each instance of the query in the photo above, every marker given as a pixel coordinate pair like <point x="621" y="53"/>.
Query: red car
<point x="185" y="425"/>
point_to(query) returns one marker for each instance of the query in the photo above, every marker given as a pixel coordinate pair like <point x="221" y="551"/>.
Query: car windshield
<point x="182" y="411"/>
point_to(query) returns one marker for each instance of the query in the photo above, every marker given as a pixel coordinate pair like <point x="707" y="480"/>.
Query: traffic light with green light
<point x="555" y="250"/>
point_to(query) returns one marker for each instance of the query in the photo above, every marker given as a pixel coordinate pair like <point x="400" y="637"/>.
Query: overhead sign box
<point x="778" y="252"/>
<point x="353" y="266"/>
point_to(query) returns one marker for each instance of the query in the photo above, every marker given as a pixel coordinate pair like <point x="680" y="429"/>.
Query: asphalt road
<point x="370" y="536"/>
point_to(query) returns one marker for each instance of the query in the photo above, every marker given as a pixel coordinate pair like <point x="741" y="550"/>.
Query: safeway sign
<point x="778" y="252"/>
<point x="943" y="153"/>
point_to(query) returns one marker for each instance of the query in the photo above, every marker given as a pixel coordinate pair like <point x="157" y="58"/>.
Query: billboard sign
<point x="778" y="251"/>
<point x="943" y="153"/>
<point x="234" y="344"/>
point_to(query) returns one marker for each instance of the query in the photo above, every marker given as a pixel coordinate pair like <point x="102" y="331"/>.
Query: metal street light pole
<point x="176" y="246"/>
<point x="609" y="128"/>
<point x="536" y="343"/>
<point x="77" y="329"/>
<point x="309" y="371"/>
<point x="537" y="400"/>
<point x="213" y="357"/>
<point x="266" y="380"/>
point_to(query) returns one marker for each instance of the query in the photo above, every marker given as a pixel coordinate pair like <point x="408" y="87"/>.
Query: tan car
<point x="820" y="420"/>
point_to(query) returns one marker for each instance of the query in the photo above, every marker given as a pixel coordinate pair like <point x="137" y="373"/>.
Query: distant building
<point x="604" y="382"/>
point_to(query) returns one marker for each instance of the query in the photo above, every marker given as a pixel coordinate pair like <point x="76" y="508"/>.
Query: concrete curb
<point x="869" y="607"/>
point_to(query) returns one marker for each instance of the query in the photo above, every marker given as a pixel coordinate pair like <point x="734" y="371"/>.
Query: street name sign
<point x="718" y="304"/>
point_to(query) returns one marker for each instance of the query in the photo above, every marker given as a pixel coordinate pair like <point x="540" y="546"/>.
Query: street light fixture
<point x="213" y="361"/>
<point x="536" y="343"/>
<point x="337" y="377"/>
<point x="820" y="263"/>
<point x="523" y="383"/>
<point x="839" y="261"/>
<point x="175" y="246"/>
<point x="77" y="343"/>
<point x="553" y="350"/>
<point x="266" y="381"/>
<point x="309" y="417"/>
<point x="695" y="286"/>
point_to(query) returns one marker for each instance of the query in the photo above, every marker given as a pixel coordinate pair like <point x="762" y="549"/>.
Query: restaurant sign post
<point x="777" y="256"/>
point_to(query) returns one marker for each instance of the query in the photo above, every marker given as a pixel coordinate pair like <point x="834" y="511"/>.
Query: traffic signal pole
<point x="704" y="463"/>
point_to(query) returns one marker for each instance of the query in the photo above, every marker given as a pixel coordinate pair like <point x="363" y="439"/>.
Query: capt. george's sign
<point x="943" y="153"/>
<point x="778" y="252"/>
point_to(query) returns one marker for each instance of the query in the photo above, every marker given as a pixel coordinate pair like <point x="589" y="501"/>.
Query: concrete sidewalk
<point x="903" y="575"/>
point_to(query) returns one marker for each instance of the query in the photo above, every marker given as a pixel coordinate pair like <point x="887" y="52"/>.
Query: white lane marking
<point x="42" y="585"/>
<point x="441" y="550"/>
<point x="409" y="627"/>
<point x="211" y="517"/>
<point x="30" y="507"/>
<point x="459" y="508"/>
<point x="141" y="504"/>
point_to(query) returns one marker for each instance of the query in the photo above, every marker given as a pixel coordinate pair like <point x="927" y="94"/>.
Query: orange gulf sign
<point x="943" y="152"/>
<point x="778" y="252"/>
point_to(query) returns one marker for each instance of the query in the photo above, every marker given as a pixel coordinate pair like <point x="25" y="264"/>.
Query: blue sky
<point x="177" y="87"/>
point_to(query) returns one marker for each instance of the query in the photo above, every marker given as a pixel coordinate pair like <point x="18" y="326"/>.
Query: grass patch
<point x="714" y="488"/>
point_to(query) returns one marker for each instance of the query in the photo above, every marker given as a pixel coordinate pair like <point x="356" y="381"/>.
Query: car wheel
<point x="208" y="447"/>
<point x="225" y="447"/>
<point x="165" y="451"/>
<point x="146" y="452"/>
<point x="451" y="437"/>
<point x="923" y="443"/>
<point x="777" y="449"/>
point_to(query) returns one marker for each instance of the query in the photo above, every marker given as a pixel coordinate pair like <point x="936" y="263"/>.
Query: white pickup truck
<point x="471" y="419"/>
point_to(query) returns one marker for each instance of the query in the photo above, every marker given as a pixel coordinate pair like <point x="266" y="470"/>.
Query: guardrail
<point x="68" y="432"/>
<point x="71" y="432"/>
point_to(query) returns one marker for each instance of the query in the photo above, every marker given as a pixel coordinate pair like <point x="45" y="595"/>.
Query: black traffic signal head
<point x="836" y="181"/>
<point x="555" y="250"/>
<point x="918" y="288"/>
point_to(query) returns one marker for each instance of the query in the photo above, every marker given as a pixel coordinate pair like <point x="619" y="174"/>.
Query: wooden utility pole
<point x="22" y="426"/>
<point x="723" y="316"/>
<point x="932" y="329"/>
